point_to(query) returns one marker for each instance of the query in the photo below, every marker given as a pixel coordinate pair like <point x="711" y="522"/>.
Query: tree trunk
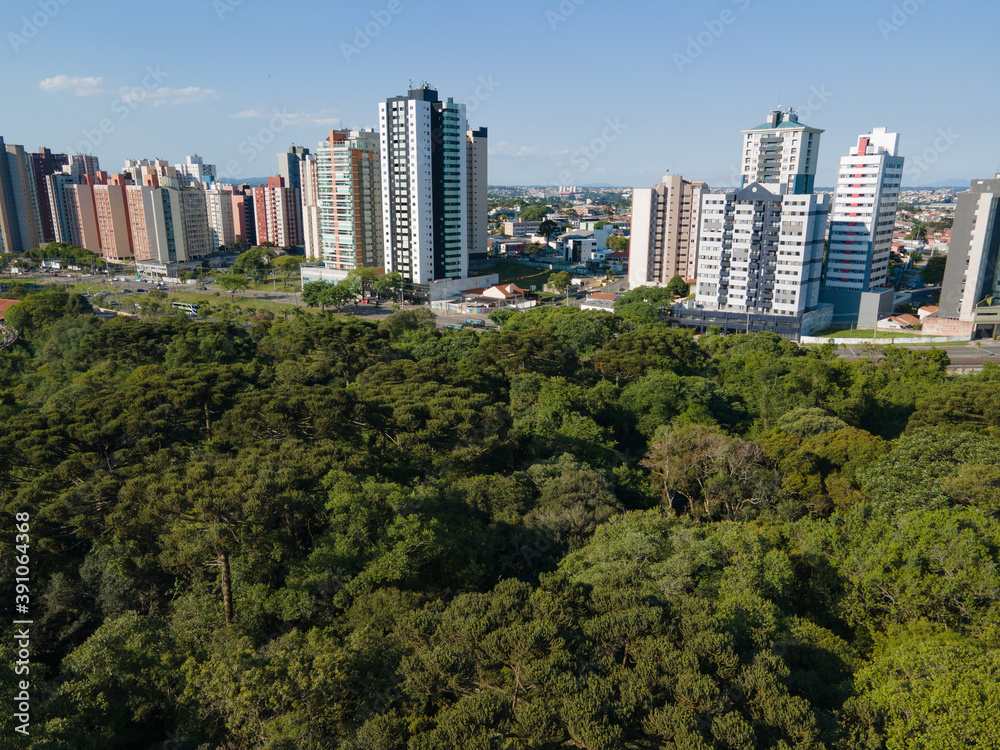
<point x="227" y="587"/>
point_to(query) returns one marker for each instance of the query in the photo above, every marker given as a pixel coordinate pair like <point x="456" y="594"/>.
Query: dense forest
<point x="578" y="531"/>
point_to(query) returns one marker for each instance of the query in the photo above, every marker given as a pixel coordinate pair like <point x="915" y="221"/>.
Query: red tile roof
<point x="6" y="304"/>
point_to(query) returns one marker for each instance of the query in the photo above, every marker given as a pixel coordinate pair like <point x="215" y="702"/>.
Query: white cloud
<point x="166" y="95"/>
<point x="158" y="97"/>
<point x="79" y="86"/>
<point x="505" y="148"/>
<point x="323" y="117"/>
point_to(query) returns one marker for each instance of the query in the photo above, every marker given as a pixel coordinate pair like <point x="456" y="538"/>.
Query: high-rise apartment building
<point x="197" y="233"/>
<point x="781" y="154"/>
<point x="665" y="230"/>
<point x="278" y="212"/>
<point x="863" y="215"/>
<point x="972" y="273"/>
<point x="20" y="216"/>
<point x="113" y="226"/>
<point x="10" y="227"/>
<point x="83" y="164"/>
<point x="161" y="223"/>
<point x="194" y="172"/>
<point x="425" y="176"/>
<point x="477" y="158"/>
<point x="140" y="169"/>
<point x="81" y="210"/>
<point x="309" y="176"/>
<point x="244" y="225"/>
<point x="349" y="201"/>
<point x="44" y="163"/>
<point x="290" y="165"/>
<point x="761" y="252"/>
<point x="56" y="185"/>
<point x="221" y="225"/>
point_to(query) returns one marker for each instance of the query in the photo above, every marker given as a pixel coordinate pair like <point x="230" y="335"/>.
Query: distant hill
<point x="251" y="181"/>
<point x="951" y="184"/>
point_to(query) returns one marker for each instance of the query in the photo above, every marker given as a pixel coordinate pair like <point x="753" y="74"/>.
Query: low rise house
<point x="602" y="301"/>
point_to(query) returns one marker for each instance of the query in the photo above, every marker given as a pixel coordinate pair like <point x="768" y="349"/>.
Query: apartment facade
<point x="781" y="154"/>
<point x="521" y="229"/>
<point x="761" y="252"/>
<point x="44" y="164"/>
<point x="194" y="172"/>
<point x="349" y="200"/>
<point x="277" y="214"/>
<point x="219" y="206"/>
<point x="972" y="273"/>
<point x="477" y="159"/>
<point x="424" y="165"/>
<point x="309" y="176"/>
<point x="20" y="215"/>
<point x="113" y="226"/>
<point x="863" y="214"/>
<point x="665" y="231"/>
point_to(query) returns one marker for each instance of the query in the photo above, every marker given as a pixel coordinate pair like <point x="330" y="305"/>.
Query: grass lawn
<point x="518" y="273"/>
<point x="247" y="303"/>
<point x="861" y="333"/>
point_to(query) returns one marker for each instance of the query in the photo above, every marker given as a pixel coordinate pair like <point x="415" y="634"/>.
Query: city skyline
<point x="668" y="99"/>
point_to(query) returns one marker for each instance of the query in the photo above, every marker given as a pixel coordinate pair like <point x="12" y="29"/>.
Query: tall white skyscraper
<point x="761" y="252"/>
<point x="781" y="154"/>
<point x="864" y="214"/>
<point x="425" y="178"/>
<point x="664" y="235"/>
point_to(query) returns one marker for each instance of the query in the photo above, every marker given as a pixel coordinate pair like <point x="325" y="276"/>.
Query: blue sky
<point x="572" y="91"/>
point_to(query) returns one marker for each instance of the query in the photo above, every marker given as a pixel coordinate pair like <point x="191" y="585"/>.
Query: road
<point x="963" y="356"/>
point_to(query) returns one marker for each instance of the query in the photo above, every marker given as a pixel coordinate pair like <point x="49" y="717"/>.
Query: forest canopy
<point x="579" y="530"/>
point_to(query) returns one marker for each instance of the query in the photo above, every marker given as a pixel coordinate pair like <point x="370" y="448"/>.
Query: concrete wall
<point x="444" y="288"/>
<point x="934" y="326"/>
<point x="817" y="320"/>
<point x="857" y="309"/>
<point x="313" y="273"/>
<point x="882" y="342"/>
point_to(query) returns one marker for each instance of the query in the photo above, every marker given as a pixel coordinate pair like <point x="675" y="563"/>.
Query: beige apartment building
<point x="664" y="236"/>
